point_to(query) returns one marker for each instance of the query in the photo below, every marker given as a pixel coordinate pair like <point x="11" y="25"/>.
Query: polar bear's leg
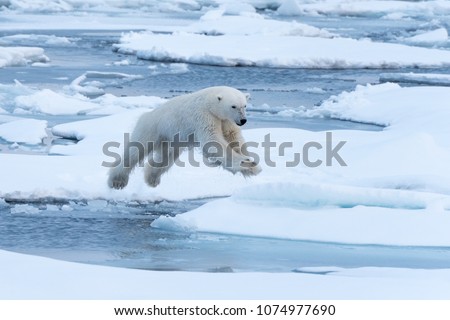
<point x="232" y="160"/>
<point x="243" y="164"/>
<point x="118" y="176"/>
<point x="159" y="163"/>
<point x="233" y="137"/>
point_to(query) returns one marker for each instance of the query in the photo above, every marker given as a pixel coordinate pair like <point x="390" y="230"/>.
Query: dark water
<point x="119" y="234"/>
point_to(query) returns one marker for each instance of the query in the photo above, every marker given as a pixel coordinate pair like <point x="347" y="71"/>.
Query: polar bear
<point x="211" y="115"/>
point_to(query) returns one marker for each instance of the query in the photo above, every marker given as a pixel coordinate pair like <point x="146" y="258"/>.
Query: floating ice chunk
<point x="92" y="88"/>
<point x="87" y="90"/>
<point x="110" y="104"/>
<point x="24" y="208"/>
<point x="19" y="56"/>
<point x="435" y="36"/>
<point x="50" y="102"/>
<point x="284" y="51"/>
<point x="41" y="65"/>
<point x="289" y="8"/>
<point x="212" y="15"/>
<point x="14" y="146"/>
<point x="171" y="68"/>
<point x="419" y="78"/>
<point x="20" y="99"/>
<point x="3" y="203"/>
<point x="111" y="75"/>
<point x="52" y="207"/>
<point x="315" y="90"/>
<point x="66" y="207"/>
<point x="178" y="68"/>
<point x="97" y="205"/>
<point x="35" y="39"/>
<point x="124" y="62"/>
<point x="395" y="16"/>
<point x="291" y="113"/>
<point x="169" y="223"/>
<point x="389" y="104"/>
<point x="255" y="25"/>
<point x="376" y="8"/>
<point x="28" y="131"/>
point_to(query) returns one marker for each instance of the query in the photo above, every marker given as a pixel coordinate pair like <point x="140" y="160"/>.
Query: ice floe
<point x="277" y="51"/>
<point x="24" y="277"/>
<point x="20" y="56"/>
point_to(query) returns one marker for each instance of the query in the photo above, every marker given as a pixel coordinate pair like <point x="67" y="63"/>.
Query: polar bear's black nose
<point x="243" y="121"/>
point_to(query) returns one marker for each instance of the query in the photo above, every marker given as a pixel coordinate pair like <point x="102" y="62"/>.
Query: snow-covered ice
<point x="252" y="25"/>
<point x="24" y="277"/>
<point x="278" y="51"/>
<point x="28" y="131"/>
<point x="93" y="88"/>
<point x="36" y="40"/>
<point x="290" y="8"/>
<point x="370" y="8"/>
<point x="431" y="37"/>
<point x="170" y="68"/>
<point x="20" y="56"/>
<point x="20" y="99"/>
<point x="437" y="79"/>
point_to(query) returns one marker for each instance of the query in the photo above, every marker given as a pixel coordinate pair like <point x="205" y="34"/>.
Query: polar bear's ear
<point x="247" y="96"/>
<point x="219" y="97"/>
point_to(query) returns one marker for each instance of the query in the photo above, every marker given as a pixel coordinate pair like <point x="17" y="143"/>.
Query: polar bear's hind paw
<point x="118" y="182"/>
<point x="153" y="180"/>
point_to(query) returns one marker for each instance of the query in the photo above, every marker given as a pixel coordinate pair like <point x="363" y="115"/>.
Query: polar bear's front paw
<point x="250" y="168"/>
<point x="118" y="181"/>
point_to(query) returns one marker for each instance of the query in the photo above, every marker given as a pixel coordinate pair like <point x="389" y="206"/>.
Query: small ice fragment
<point x="52" y="207"/>
<point x="97" y="204"/>
<point x="66" y="207"/>
<point x="24" y="208"/>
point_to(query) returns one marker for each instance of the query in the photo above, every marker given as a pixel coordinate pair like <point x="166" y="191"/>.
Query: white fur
<point x="208" y="114"/>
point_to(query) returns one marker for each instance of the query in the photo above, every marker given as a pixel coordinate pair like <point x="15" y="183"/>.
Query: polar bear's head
<point x="231" y="104"/>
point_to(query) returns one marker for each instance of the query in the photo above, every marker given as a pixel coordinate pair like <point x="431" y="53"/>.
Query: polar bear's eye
<point x="234" y="107"/>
